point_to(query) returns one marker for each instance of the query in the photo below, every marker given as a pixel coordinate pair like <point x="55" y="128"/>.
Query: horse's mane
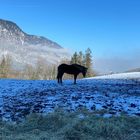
<point x="79" y="66"/>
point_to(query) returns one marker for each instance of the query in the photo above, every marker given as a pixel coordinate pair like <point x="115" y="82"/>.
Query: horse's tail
<point x="57" y="73"/>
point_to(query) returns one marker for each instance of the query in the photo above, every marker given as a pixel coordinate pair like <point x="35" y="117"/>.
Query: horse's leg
<point x="75" y="77"/>
<point x="58" y="77"/>
<point x="61" y="78"/>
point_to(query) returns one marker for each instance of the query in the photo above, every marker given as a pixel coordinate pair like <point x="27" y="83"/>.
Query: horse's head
<point x="84" y="71"/>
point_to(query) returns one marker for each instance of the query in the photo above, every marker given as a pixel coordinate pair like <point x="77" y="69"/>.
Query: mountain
<point x="27" y="49"/>
<point x="134" y="70"/>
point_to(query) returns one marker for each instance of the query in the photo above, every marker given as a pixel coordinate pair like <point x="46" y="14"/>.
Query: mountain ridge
<point x="25" y="48"/>
<point x="26" y="38"/>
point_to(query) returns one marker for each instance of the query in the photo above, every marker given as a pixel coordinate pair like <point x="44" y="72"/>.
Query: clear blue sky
<point x="111" y="28"/>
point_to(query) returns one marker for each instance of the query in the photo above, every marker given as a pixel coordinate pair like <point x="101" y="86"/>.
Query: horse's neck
<point x="78" y="66"/>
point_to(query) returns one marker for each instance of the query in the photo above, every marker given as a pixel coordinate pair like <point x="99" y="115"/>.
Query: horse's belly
<point x="70" y="72"/>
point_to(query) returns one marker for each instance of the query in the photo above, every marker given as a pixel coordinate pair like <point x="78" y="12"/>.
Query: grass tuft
<point x="68" y="126"/>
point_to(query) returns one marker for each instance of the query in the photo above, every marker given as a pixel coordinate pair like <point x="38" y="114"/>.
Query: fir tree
<point x="80" y="58"/>
<point x="74" y="58"/>
<point x="88" y="62"/>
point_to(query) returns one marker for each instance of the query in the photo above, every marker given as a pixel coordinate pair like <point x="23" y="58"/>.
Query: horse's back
<point x="62" y="66"/>
<point x="72" y="66"/>
<point x="77" y="66"/>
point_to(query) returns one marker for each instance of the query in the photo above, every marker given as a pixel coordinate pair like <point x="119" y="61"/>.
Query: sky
<point x="110" y="28"/>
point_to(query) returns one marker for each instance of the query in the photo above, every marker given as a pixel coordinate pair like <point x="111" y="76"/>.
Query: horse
<point x="74" y="69"/>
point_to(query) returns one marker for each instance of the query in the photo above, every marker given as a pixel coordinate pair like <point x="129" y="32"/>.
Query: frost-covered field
<point x="107" y="94"/>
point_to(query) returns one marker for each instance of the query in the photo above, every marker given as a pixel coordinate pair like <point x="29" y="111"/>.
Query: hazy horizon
<point x="109" y="28"/>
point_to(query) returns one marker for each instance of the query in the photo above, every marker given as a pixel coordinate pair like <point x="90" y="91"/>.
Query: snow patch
<point x="19" y="98"/>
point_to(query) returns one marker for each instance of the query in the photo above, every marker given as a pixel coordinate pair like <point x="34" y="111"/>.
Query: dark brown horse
<point x="74" y="69"/>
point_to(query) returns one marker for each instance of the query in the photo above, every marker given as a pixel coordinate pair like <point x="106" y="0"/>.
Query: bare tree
<point x="5" y="66"/>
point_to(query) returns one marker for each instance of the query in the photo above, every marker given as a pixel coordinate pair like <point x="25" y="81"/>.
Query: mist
<point x="117" y="63"/>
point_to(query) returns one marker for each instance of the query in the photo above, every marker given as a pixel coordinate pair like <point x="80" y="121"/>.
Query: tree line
<point x="84" y="59"/>
<point x="43" y="71"/>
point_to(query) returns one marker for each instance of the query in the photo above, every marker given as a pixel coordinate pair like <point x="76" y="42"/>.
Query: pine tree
<point x="88" y="62"/>
<point x="80" y="58"/>
<point x="74" y="58"/>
